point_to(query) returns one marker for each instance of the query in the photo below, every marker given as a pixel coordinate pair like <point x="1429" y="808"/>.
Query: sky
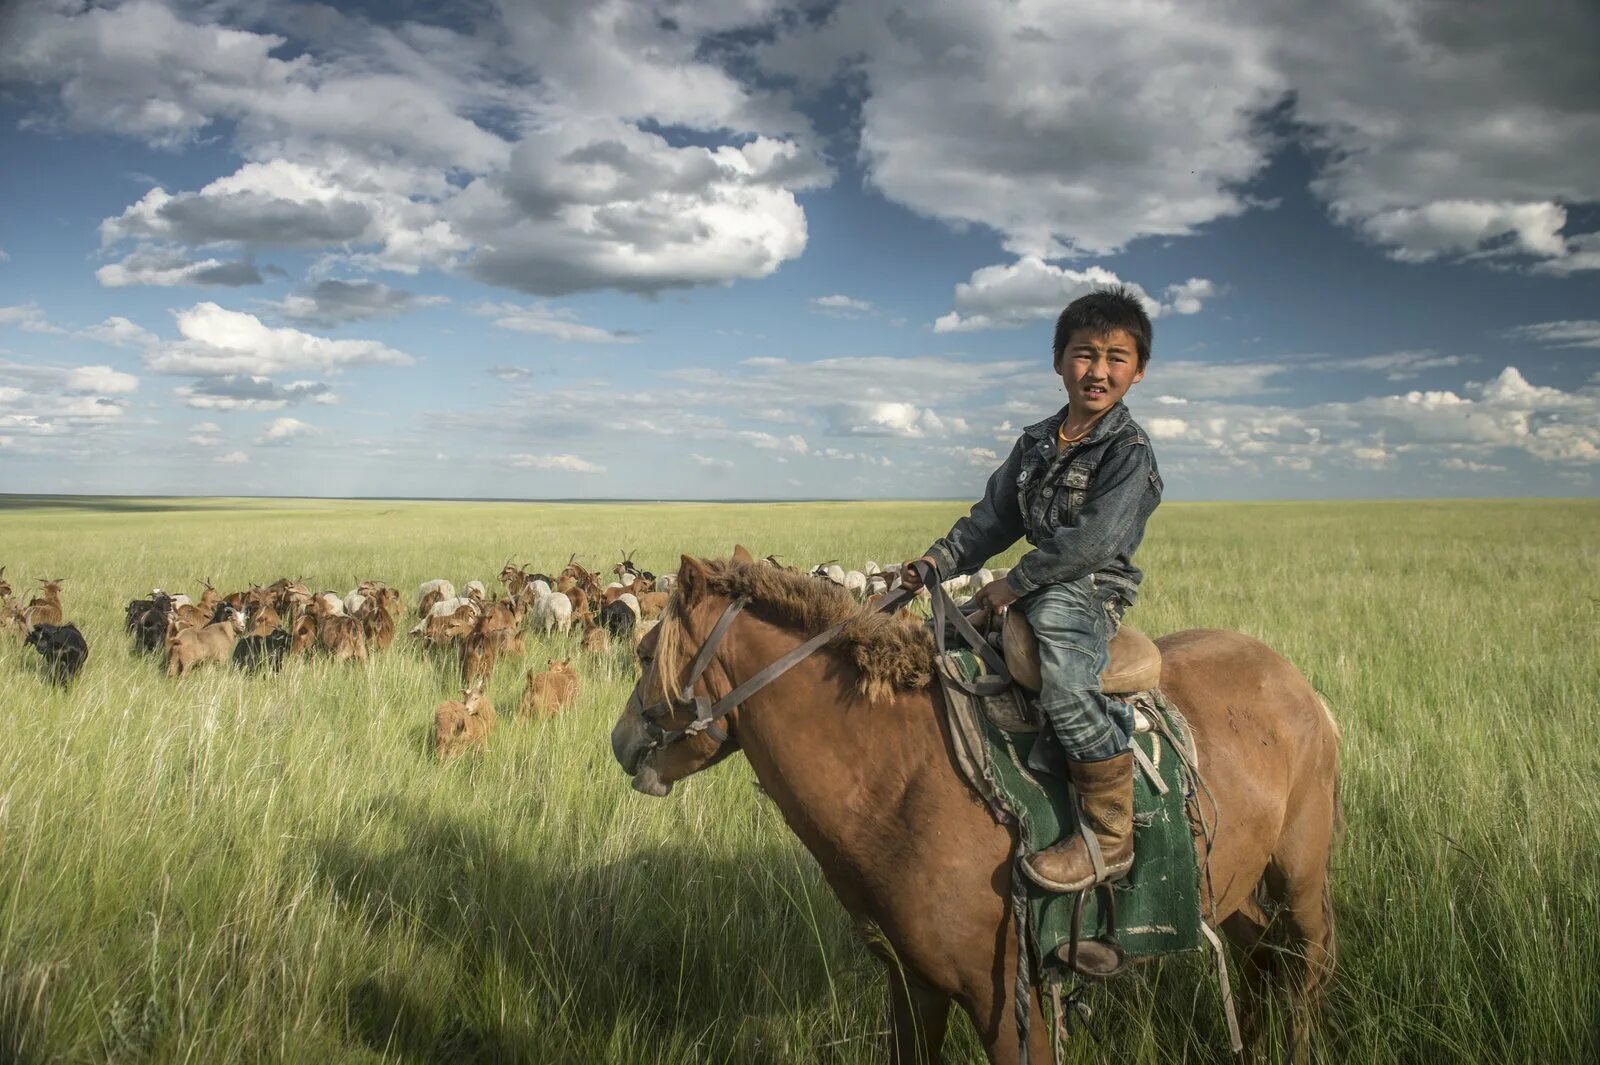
<point x="757" y="250"/>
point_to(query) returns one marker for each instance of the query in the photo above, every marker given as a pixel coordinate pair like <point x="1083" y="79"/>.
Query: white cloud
<point x="550" y="321"/>
<point x="980" y="457"/>
<point x="1468" y="466"/>
<point x="1394" y="365"/>
<point x="563" y="463"/>
<point x="205" y="434"/>
<point x="1007" y="295"/>
<point x="1188" y="297"/>
<point x="172" y="266"/>
<point x="841" y="306"/>
<point x="1561" y="334"/>
<point x="714" y="465"/>
<point x="286" y="430"/>
<point x="232" y="458"/>
<point x="891" y="419"/>
<point x="1044" y="123"/>
<point x="1167" y="428"/>
<point x="247" y="392"/>
<point x="120" y="332"/>
<point x="333" y="302"/>
<point x="219" y="341"/>
<point x="792" y="442"/>
<point x="28" y="317"/>
<point x="1012" y="294"/>
<point x="101" y="380"/>
<point x="601" y="203"/>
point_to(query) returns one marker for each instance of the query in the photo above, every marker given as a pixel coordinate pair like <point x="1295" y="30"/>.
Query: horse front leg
<point x="917" y="1019"/>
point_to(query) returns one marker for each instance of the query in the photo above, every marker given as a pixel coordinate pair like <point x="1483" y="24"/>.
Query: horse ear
<point x="692" y="578"/>
<point x="742" y="554"/>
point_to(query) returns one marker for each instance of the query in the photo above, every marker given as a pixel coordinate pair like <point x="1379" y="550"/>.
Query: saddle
<point x="990" y="686"/>
<point x="1135" y="664"/>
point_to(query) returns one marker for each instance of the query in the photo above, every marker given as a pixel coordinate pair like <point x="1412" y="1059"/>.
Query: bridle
<point x="709" y="714"/>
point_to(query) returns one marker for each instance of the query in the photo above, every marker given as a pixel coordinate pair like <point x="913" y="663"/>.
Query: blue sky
<point x="744" y="249"/>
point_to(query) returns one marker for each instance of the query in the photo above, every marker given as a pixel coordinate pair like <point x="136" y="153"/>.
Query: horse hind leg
<point x="1297" y="880"/>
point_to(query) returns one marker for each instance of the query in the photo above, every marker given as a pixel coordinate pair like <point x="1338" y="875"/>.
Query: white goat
<point x="552" y="611"/>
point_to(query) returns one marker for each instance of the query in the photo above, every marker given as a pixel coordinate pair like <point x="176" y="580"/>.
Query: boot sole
<point x="1113" y="872"/>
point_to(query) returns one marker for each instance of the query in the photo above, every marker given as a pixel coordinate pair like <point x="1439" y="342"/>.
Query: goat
<point x="5" y="585"/>
<point x="264" y="619"/>
<point x="270" y="649"/>
<point x="63" y="647"/>
<point x="303" y="635"/>
<point x="547" y="692"/>
<point x="475" y="591"/>
<point x="595" y="639"/>
<point x="342" y="637"/>
<point x="651" y="605"/>
<point x="618" y="619"/>
<point x="377" y="624"/>
<point x="44" y="608"/>
<point x="431" y="592"/>
<point x="855" y="582"/>
<point x="213" y="643"/>
<point x="479" y="652"/>
<point x="552" y="611"/>
<point x="458" y="725"/>
<point x="829" y="571"/>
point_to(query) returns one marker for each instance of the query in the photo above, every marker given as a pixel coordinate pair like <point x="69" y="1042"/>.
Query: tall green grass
<point x="273" y="868"/>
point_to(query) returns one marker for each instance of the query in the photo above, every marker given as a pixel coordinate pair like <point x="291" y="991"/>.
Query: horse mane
<point x="890" y="653"/>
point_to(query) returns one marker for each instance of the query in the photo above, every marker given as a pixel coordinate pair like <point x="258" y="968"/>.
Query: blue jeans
<point x="1074" y="623"/>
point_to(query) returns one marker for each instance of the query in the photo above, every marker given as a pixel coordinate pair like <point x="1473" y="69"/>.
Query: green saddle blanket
<point x="1158" y="903"/>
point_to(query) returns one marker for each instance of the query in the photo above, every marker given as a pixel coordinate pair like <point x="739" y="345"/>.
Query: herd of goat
<point x="261" y="627"/>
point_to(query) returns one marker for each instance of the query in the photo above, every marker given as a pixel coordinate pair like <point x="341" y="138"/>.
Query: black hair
<point x="1100" y="312"/>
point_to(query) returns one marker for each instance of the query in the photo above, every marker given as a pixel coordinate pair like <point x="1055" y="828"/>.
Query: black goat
<point x="63" y="647"/>
<point x="617" y="618"/>
<point x="252" y="651"/>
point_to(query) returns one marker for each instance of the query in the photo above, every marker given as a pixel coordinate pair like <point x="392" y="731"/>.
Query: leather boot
<point x="1105" y="796"/>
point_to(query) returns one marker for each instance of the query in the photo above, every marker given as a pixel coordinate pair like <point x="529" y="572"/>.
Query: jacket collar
<point x="1114" y="419"/>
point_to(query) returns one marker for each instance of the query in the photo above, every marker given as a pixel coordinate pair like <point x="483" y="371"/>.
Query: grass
<point x="273" y="868"/>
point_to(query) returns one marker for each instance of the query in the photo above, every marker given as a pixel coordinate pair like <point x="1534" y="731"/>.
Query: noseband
<point x="708" y="714"/>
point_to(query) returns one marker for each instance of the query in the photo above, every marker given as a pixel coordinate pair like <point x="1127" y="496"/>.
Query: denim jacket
<point x="1083" y="509"/>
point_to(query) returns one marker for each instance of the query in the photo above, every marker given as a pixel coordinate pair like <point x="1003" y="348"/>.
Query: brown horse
<point x="850" y="746"/>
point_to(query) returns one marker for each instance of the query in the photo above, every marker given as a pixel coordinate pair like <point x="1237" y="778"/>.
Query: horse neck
<point x="827" y="757"/>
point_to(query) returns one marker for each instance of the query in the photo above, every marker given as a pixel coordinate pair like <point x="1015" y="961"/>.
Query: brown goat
<point x="44" y="608"/>
<point x="458" y="725"/>
<point x="343" y="638"/>
<point x="377" y="624"/>
<point x="263" y="618"/>
<point x="303" y="635"/>
<point x="545" y="693"/>
<point x="213" y="643"/>
<point x="429" y="601"/>
<point x="479" y="652"/>
<point x="651" y="604"/>
<point x="595" y="639"/>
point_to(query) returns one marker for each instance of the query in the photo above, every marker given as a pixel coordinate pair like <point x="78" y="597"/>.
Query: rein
<point x="708" y="714"/>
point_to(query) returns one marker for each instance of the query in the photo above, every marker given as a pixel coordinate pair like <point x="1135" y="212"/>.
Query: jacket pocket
<point x="1071" y="493"/>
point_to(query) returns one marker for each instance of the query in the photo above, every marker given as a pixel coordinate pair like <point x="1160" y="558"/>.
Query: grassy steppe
<point x="273" y="868"/>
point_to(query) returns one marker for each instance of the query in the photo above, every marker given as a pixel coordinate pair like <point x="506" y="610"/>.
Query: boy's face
<point x="1097" y="369"/>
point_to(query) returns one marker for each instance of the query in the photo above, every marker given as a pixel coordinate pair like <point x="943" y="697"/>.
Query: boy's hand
<point x="909" y="577"/>
<point x="996" y="595"/>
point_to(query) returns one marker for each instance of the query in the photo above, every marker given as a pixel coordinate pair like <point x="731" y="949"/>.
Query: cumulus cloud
<point x="232" y="458"/>
<point x="100" y="380"/>
<point x="281" y="431"/>
<point x="710" y="464"/>
<point x="841" y="306"/>
<point x="509" y="373"/>
<point x="602" y="203"/>
<point x="891" y="419"/>
<point x="1007" y="295"/>
<point x="172" y="266"/>
<point x="550" y="321"/>
<point x="120" y="332"/>
<point x="333" y="302"/>
<point x="216" y="341"/>
<point x="561" y="463"/>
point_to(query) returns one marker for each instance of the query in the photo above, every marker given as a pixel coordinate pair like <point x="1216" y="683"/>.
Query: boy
<point x="1080" y="485"/>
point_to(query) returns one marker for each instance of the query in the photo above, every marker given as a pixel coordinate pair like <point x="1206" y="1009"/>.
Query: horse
<point x="850" y="746"/>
